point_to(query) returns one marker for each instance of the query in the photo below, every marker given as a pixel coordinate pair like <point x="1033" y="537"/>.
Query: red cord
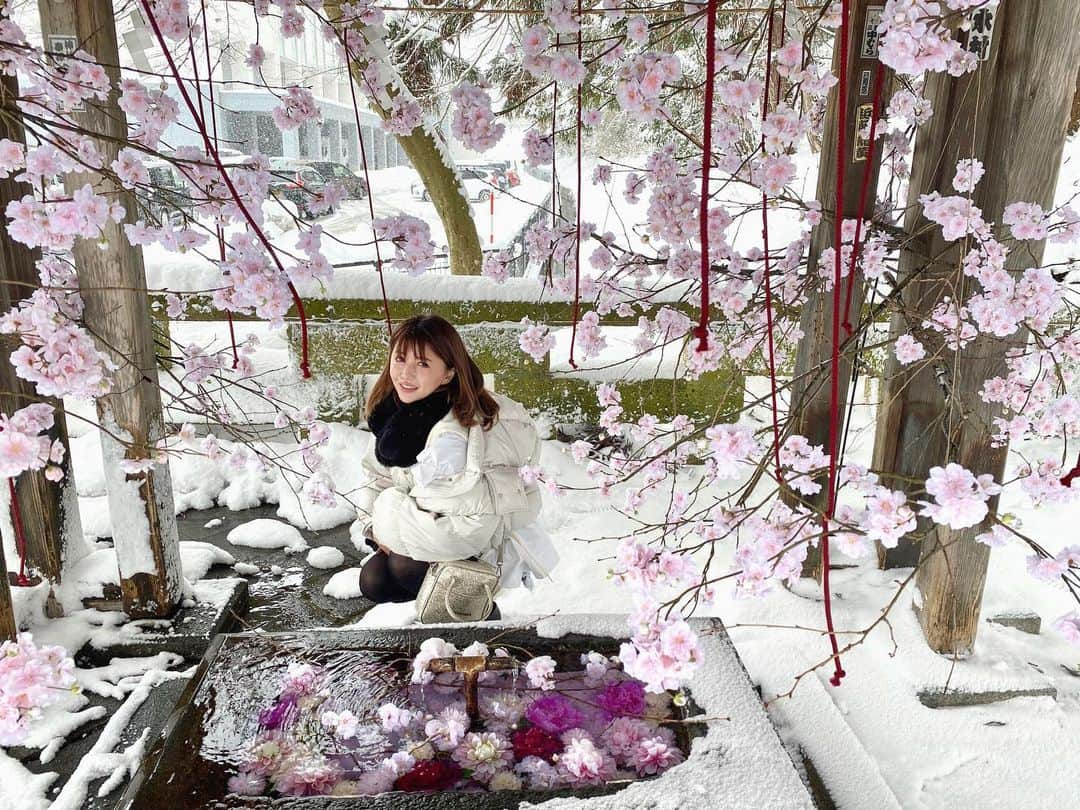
<point x="20" y="534"/>
<point x="577" y="206"/>
<point x="702" y="331"/>
<point x="768" y="271"/>
<point x="213" y="124"/>
<point x="856" y="248"/>
<point x="1067" y="480"/>
<point x="834" y="388"/>
<point x="305" y="368"/>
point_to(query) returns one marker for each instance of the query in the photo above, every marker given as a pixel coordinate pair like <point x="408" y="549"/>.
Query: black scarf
<point x="401" y="429"/>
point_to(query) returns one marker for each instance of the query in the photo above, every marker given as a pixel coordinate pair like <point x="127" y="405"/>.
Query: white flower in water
<point x="447" y="730"/>
<point x="476" y="648"/>
<point x="484" y="753"/>
<point x="503" y="709"/>
<point x="505" y="780"/>
<point x="347" y="724"/>
<point x="419" y="749"/>
<point x="541" y="672"/>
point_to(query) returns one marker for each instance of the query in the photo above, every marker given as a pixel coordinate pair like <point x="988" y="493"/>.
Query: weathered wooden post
<point x="1011" y="114"/>
<point x="811" y="394"/>
<point x="113" y="286"/>
<point x="7" y="609"/>
<point x="49" y="510"/>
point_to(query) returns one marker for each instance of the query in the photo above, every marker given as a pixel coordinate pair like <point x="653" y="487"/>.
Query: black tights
<point x="390" y="577"/>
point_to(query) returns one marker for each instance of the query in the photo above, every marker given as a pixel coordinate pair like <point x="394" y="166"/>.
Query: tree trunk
<point x="431" y="161"/>
<point x="8" y="630"/>
<point x="49" y="511"/>
<point x="113" y="285"/>
<point x="1012" y="115"/>
<point x="811" y="395"/>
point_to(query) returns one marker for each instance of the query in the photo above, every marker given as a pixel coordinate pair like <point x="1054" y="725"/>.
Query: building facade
<point x="244" y="102"/>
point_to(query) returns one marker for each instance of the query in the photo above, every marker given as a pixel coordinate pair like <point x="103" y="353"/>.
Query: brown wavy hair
<point x="471" y="402"/>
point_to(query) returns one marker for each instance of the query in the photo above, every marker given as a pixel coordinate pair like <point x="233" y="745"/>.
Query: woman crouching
<point x="442" y="468"/>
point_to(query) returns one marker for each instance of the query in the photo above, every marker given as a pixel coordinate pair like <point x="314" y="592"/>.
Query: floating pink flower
<point x="654" y="755"/>
<point x="584" y="763"/>
<point x="554" y="714"/>
<point x="622" y="699"/>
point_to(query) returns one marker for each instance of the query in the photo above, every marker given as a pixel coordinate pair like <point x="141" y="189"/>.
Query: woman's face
<point x="416" y="377"/>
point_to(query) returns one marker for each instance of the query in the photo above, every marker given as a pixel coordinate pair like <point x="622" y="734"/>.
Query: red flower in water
<point x="535" y="742"/>
<point x="430" y="774"/>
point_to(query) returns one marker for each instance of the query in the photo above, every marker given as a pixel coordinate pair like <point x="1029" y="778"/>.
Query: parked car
<point x="340" y="173"/>
<point x="297" y="182"/>
<point x="495" y="170"/>
<point x="169" y="198"/>
<point x="479" y="185"/>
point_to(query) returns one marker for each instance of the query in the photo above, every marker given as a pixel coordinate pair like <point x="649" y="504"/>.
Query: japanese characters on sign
<point x="863" y="114"/>
<point x="869" y="47"/>
<point x="981" y="33"/>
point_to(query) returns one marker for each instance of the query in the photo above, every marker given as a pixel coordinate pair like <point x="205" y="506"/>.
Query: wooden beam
<point x="8" y="630"/>
<point x="49" y="510"/>
<point x="113" y="286"/>
<point x="811" y="390"/>
<point x="1012" y="115"/>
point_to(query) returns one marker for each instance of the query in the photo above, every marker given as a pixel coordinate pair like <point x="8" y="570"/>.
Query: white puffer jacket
<point x="438" y="510"/>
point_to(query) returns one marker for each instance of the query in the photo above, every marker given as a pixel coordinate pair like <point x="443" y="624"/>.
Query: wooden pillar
<point x="49" y="510"/>
<point x="113" y="286"/>
<point x="811" y="390"/>
<point x="1012" y="115"/>
<point x="8" y="630"/>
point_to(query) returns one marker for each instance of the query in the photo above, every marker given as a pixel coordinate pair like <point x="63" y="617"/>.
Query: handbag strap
<point x="459" y="618"/>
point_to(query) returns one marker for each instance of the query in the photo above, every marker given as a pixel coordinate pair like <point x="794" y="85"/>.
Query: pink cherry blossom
<point x="960" y="497"/>
<point x="473" y="122"/>
<point x="1069" y="626"/>
<point x="968" y="173"/>
<point x="908" y="350"/>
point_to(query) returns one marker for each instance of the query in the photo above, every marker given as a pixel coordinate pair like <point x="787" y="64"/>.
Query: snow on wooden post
<point x="1011" y="114"/>
<point x="113" y="285"/>
<point x="810" y="393"/>
<point x="49" y="511"/>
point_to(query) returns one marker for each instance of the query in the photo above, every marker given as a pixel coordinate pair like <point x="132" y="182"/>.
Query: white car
<point x="479" y="186"/>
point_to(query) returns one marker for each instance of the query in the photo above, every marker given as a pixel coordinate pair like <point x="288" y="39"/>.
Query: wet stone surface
<point x="293" y="599"/>
<point x="217" y="713"/>
<point x="288" y="601"/>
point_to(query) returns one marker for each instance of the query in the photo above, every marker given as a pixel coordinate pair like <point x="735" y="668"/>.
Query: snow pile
<point x="267" y="533"/>
<point x="344" y="584"/>
<point x="325" y="557"/>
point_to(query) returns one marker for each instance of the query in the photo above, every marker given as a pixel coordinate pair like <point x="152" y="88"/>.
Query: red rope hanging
<point x="305" y="368"/>
<point x="577" y="208"/>
<point x="20" y="534"/>
<point x="856" y="248"/>
<point x="702" y="331"/>
<point x="1072" y="474"/>
<point x="834" y="375"/>
<point x="768" y="271"/>
<point x="213" y="123"/>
